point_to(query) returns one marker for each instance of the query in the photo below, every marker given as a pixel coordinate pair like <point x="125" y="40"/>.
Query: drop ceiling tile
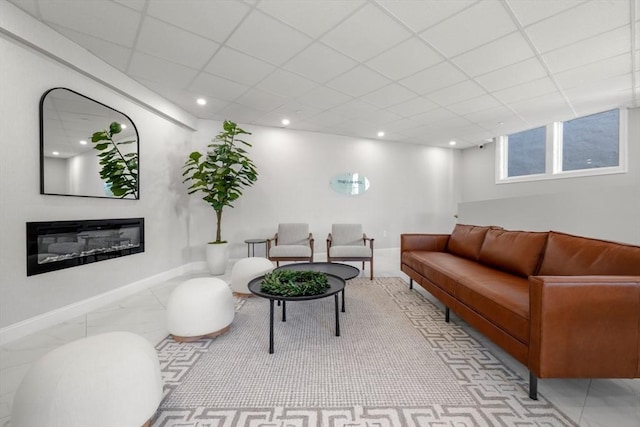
<point x="323" y="98"/>
<point x="419" y="15"/>
<point x="238" y="67"/>
<point x="413" y="106"/>
<point x="365" y="34"/>
<point x="284" y="83"/>
<point x="596" y="71"/>
<point x="543" y="109"/>
<point x="29" y="6"/>
<point x="358" y="81"/>
<point x="529" y="12"/>
<point x="609" y="44"/>
<point x="388" y="96"/>
<point x="433" y="78"/>
<point x="312" y="17"/>
<point x="401" y="125"/>
<point x="479" y="103"/>
<point x="296" y="111"/>
<point x="240" y="114"/>
<point x="185" y="99"/>
<point x="405" y="59"/>
<point x="528" y="90"/>
<point x="138" y="5"/>
<point x="214" y="20"/>
<point x="323" y="120"/>
<point x="115" y="55"/>
<point x="355" y="109"/>
<point x="433" y="116"/>
<point x="260" y="100"/>
<point x="451" y="124"/>
<point x="165" y="41"/>
<point x="263" y="37"/>
<point x="217" y="87"/>
<point x="456" y="93"/>
<point x="512" y="75"/>
<point x="160" y="71"/>
<point x="508" y="50"/>
<point x="584" y="21"/>
<point x="88" y="17"/>
<point x="489" y="117"/>
<point x="479" y="24"/>
<point x="382" y="118"/>
<point x="616" y="89"/>
<point x="320" y="63"/>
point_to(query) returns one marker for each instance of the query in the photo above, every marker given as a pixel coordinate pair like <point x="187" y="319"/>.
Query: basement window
<point x="589" y="145"/>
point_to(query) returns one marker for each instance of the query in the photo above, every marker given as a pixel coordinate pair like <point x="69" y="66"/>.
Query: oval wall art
<point x="351" y="184"/>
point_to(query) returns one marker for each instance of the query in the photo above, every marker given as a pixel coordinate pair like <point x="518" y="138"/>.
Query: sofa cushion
<point x="466" y="240"/>
<point x="441" y="268"/>
<point x="517" y="252"/>
<point x="500" y="297"/>
<point x="568" y="255"/>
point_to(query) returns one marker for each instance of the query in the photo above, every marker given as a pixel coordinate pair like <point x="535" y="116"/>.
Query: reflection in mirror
<point x="70" y="164"/>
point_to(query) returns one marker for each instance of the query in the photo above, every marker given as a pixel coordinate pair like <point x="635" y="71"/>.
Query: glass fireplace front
<point x="54" y="245"/>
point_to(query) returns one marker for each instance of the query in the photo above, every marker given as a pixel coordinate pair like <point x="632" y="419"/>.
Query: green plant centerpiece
<point x="222" y="172"/>
<point x="119" y="170"/>
<point x="289" y="283"/>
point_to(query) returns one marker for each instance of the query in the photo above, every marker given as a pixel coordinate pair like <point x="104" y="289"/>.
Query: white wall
<point x="606" y="206"/>
<point x="413" y="188"/>
<point x="25" y="75"/>
<point x="56" y="175"/>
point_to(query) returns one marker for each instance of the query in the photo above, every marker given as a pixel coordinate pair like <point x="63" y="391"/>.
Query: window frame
<point x="553" y="155"/>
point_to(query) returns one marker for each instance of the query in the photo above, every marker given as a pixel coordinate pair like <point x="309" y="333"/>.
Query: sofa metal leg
<point x="533" y="386"/>
<point x="410" y="283"/>
<point x="446" y="314"/>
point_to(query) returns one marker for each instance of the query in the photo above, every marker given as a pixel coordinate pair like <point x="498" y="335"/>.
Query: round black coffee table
<point x="341" y="270"/>
<point x="336" y="285"/>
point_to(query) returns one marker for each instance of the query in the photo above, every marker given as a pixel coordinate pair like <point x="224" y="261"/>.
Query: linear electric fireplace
<point x="54" y="245"/>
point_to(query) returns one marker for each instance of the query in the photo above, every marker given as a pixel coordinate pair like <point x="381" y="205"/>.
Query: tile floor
<point x="598" y="402"/>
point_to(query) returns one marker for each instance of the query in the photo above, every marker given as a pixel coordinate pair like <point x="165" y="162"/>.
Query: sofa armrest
<point x="584" y="326"/>
<point x="423" y="242"/>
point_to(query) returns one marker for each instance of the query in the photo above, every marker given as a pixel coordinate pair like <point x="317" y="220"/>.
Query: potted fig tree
<point x="220" y="175"/>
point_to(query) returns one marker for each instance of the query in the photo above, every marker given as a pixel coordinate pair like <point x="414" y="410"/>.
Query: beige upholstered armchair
<point x="292" y="242"/>
<point x="347" y="242"/>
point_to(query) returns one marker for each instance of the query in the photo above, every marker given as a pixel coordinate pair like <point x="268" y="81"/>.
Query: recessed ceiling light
<point x="55" y="153"/>
<point x="381" y="134"/>
<point x="452" y="143"/>
<point x="123" y="126"/>
<point x="83" y="142"/>
<point x="201" y="101"/>
<point x="285" y="122"/>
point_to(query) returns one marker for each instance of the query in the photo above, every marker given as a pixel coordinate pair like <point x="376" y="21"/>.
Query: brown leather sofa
<point x="564" y="306"/>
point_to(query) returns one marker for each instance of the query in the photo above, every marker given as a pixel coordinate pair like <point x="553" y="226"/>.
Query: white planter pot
<point x="217" y="256"/>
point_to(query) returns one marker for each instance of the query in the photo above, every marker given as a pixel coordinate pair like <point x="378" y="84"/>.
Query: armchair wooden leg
<point x="370" y="269"/>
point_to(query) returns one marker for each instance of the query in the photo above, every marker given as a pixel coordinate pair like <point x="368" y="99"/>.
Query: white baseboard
<point x="29" y="326"/>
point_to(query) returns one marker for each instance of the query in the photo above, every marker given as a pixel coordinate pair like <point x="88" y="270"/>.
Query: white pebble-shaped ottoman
<point x="111" y="379"/>
<point x="200" y="308"/>
<point x="245" y="270"/>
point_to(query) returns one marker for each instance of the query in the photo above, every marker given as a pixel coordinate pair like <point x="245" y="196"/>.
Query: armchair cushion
<point x="350" y="251"/>
<point x="347" y="234"/>
<point x="288" y="251"/>
<point x="293" y="234"/>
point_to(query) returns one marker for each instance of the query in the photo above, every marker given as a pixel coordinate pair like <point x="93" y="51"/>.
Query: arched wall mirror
<point x="87" y="149"/>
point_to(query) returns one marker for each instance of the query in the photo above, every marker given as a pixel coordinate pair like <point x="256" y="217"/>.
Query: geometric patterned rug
<point x="396" y="363"/>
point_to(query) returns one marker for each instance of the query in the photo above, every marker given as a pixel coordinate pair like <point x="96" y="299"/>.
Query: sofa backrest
<point x="466" y="240"/>
<point x="517" y="252"/>
<point x="568" y="255"/>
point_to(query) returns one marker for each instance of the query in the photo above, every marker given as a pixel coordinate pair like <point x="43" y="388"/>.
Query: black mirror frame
<point x="41" y="108"/>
